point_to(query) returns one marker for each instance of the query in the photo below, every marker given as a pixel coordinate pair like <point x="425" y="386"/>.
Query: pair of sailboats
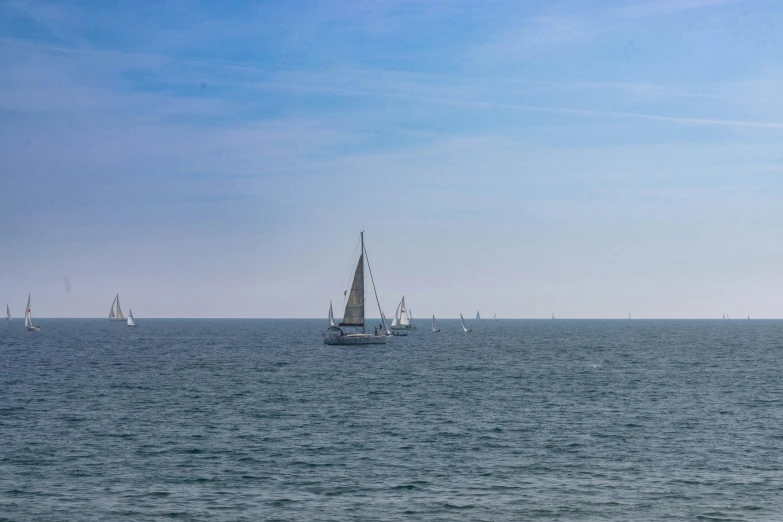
<point x="436" y="328"/>
<point x="115" y="312"/>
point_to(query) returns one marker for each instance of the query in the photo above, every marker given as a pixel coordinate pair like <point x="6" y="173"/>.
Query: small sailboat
<point x="28" y="318"/>
<point x="494" y="317"/>
<point x="7" y="313"/>
<point x="478" y="316"/>
<point x="402" y="318"/>
<point x="462" y="322"/>
<point x="130" y="318"/>
<point x="116" y="315"/>
<point x="384" y="325"/>
<point x="435" y="328"/>
<point x="553" y="315"/>
<point x="354" y="311"/>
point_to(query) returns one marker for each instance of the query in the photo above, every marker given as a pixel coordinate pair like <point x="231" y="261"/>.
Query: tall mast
<point x="364" y="311"/>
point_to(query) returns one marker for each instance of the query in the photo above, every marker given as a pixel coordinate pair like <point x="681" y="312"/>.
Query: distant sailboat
<point x="553" y="315"/>
<point x="462" y="322"/>
<point x="116" y="315"/>
<point x="354" y="311"/>
<point x="402" y="318"/>
<point x="494" y="317"/>
<point x="435" y="328"/>
<point x="384" y="324"/>
<point x="478" y="316"/>
<point x="7" y="313"/>
<point x="28" y="318"/>
<point x="130" y="318"/>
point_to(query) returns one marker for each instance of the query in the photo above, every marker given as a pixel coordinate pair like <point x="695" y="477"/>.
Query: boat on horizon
<point x="354" y="311"/>
<point x="116" y="315"/>
<point x="478" y="316"/>
<point x="7" y="313"/>
<point x="402" y="318"/>
<point x="435" y="328"/>
<point x="465" y="329"/>
<point x="130" y="318"/>
<point x="28" y="317"/>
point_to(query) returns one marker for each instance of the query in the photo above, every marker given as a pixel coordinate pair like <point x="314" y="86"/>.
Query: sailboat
<point x="28" y="318"/>
<point x="354" y="311"/>
<point x="462" y="322"/>
<point x="116" y="316"/>
<point x="7" y="313"/>
<point x="402" y="318"/>
<point x="130" y="318"/>
<point x="384" y="325"/>
<point x="478" y="316"/>
<point x="553" y="315"/>
<point x="494" y="317"/>
<point x="435" y="328"/>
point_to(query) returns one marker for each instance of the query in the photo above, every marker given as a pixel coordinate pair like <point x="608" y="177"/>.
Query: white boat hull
<point x="403" y="327"/>
<point x="33" y="328"/>
<point x="354" y="339"/>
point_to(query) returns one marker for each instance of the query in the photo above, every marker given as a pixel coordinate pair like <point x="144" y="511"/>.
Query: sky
<point x="218" y="159"/>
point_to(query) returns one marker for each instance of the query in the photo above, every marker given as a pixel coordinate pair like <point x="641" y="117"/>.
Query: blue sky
<point x="217" y="159"/>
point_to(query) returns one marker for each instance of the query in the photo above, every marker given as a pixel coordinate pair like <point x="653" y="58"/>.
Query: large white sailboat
<point x="354" y="311"/>
<point x="7" y="313"/>
<point x="402" y="318"/>
<point x="462" y="322"/>
<point x="130" y="318"/>
<point x="116" y="315"/>
<point x="28" y="318"/>
<point x="435" y="328"/>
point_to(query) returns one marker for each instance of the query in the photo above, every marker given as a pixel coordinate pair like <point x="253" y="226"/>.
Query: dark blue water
<point x="520" y="420"/>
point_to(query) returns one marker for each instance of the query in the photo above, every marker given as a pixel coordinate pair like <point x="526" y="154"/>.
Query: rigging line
<point x="375" y="290"/>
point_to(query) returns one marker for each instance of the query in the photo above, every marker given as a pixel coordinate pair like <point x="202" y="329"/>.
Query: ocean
<point x="519" y="420"/>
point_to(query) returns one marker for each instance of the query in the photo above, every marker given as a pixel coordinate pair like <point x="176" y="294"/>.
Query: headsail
<point x="111" y="310"/>
<point x="354" y="309"/>
<point x="331" y="316"/>
<point x="385" y="326"/>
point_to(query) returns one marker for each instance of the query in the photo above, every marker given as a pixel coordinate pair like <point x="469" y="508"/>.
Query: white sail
<point x="478" y="316"/>
<point x="385" y="326"/>
<point x="462" y="321"/>
<point x="434" y="324"/>
<point x="120" y="317"/>
<point x="404" y="317"/>
<point x="130" y="318"/>
<point x="111" y="310"/>
<point x="7" y="313"/>
<point x="354" y="308"/>
<point x="28" y="318"/>
<point x="394" y="321"/>
<point x="331" y="316"/>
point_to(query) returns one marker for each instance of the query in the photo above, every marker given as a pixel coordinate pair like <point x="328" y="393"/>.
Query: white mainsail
<point x="120" y="317"/>
<point x="130" y="318"/>
<point x="331" y="316"/>
<point x="28" y="318"/>
<point x="462" y="321"/>
<point x="405" y="319"/>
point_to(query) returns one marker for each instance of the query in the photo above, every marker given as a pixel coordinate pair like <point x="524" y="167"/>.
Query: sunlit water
<point x="520" y="420"/>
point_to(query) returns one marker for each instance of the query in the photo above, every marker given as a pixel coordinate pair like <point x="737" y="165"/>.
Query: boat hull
<point x="403" y="327"/>
<point x="33" y="328"/>
<point x="354" y="340"/>
<point x="115" y="319"/>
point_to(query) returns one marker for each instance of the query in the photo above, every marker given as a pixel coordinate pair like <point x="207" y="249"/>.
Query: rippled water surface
<point x="520" y="420"/>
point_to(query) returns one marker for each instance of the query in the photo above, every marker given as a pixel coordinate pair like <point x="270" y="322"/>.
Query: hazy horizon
<point x="212" y="160"/>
